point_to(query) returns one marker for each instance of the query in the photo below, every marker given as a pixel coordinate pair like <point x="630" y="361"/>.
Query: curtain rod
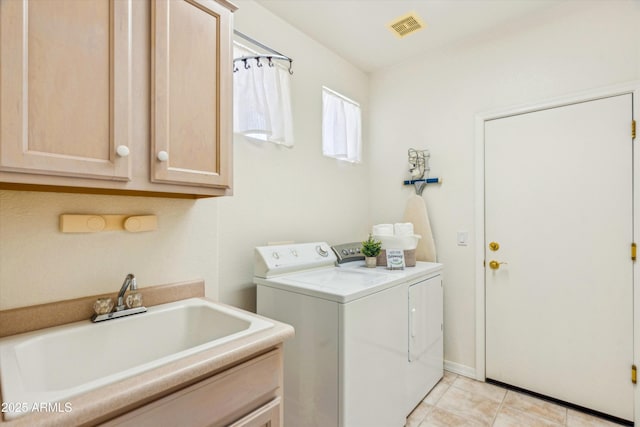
<point x="269" y="58"/>
<point x="341" y="96"/>
<point x="257" y="43"/>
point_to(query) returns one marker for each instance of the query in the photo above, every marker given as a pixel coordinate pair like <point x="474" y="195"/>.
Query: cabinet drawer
<point x="216" y="401"/>
<point x="268" y="415"/>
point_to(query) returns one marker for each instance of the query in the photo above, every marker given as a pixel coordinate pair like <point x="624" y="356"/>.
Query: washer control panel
<point x="275" y="260"/>
<point x="348" y="252"/>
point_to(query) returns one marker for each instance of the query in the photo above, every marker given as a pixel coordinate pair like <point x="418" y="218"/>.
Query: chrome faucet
<point x="129" y="281"/>
<point x="121" y="309"/>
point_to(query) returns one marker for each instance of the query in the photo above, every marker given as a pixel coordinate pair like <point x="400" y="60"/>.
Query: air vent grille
<point x="406" y="25"/>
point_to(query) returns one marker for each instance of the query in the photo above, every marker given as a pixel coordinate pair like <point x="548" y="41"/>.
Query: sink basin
<point x="56" y="363"/>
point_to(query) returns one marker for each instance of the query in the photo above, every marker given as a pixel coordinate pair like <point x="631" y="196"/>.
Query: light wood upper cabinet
<point x="191" y="93"/>
<point x="91" y="91"/>
<point x="65" y="107"/>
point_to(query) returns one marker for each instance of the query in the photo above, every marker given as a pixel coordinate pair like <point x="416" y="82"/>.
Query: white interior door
<point x="558" y="201"/>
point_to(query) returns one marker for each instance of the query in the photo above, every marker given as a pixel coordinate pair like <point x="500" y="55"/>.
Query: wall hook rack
<point x="421" y="183"/>
<point x="273" y="54"/>
<point x="71" y="223"/>
<point x="418" y="167"/>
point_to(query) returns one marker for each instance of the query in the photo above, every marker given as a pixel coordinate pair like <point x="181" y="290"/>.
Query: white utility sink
<point x="56" y="363"/>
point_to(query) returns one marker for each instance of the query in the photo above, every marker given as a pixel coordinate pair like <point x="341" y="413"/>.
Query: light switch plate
<point x="463" y="238"/>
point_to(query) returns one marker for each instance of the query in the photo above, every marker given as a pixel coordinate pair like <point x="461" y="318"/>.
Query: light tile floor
<point x="461" y="401"/>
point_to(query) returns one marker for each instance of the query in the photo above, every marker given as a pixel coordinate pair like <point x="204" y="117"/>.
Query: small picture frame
<point x="395" y="259"/>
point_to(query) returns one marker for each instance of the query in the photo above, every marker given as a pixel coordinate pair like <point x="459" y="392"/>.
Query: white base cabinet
<point x="247" y="395"/>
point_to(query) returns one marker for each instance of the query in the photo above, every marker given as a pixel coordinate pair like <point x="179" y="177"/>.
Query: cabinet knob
<point x="163" y="156"/>
<point x="122" y="150"/>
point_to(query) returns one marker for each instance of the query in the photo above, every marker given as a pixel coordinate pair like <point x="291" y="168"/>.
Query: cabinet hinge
<point x="633" y="251"/>
<point x="633" y="129"/>
<point x="634" y="374"/>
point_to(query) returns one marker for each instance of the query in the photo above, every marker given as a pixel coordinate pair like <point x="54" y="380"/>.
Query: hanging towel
<point x="416" y="213"/>
<point x="262" y="102"/>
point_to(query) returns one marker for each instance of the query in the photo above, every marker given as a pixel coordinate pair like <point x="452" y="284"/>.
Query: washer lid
<point x="334" y="284"/>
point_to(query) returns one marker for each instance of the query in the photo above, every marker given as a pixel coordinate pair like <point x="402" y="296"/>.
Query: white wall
<point x="431" y="101"/>
<point x="39" y="264"/>
<point x="283" y="194"/>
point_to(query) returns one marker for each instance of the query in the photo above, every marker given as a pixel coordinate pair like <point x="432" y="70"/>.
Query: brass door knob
<point x="494" y="246"/>
<point x="494" y="265"/>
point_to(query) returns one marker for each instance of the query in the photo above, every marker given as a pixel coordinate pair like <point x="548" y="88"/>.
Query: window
<point x="261" y="101"/>
<point x="341" y="127"/>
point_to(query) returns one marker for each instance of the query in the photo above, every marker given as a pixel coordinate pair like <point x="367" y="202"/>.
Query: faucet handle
<point x="133" y="300"/>
<point x="103" y="305"/>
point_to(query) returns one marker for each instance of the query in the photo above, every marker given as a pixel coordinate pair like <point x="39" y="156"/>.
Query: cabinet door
<point x="191" y="90"/>
<point x="65" y="87"/>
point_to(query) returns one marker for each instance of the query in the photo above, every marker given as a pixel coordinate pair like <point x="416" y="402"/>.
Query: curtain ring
<point x="246" y="65"/>
<point x="291" y="67"/>
<point x="258" y="63"/>
<point x="270" y="61"/>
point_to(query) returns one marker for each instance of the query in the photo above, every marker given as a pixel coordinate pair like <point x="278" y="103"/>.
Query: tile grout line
<point x="457" y="384"/>
<point x="493" y="421"/>
<point x="435" y="404"/>
<point x="449" y="385"/>
<point x="457" y="412"/>
<point x="541" y="417"/>
<point x="436" y="401"/>
<point x="502" y="400"/>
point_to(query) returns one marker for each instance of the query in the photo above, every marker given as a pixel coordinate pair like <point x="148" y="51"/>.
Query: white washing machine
<point x="368" y="343"/>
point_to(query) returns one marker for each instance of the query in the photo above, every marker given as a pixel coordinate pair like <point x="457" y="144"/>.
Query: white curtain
<point x="262" y="100"/>
<point x="341" y="127"/>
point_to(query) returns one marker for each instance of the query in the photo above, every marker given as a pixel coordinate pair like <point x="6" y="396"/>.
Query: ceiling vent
<point x="406" y="25"/>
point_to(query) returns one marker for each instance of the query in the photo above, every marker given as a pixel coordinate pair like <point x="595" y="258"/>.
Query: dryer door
<point x="425" y="352"/>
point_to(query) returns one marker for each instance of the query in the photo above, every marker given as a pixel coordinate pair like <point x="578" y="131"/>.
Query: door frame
<point x="480" y="119"/>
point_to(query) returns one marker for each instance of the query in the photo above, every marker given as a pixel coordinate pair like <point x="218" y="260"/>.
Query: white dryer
<point x="368" y="342"/>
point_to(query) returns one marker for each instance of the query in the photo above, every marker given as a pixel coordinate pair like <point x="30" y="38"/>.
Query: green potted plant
<point x="371" y="249"/>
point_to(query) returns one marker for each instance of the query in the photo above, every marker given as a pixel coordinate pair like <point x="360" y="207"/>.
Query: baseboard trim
<point x="460" y="369"/>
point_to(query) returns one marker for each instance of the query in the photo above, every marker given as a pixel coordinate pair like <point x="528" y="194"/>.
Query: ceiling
<point x="358" y="30"/>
